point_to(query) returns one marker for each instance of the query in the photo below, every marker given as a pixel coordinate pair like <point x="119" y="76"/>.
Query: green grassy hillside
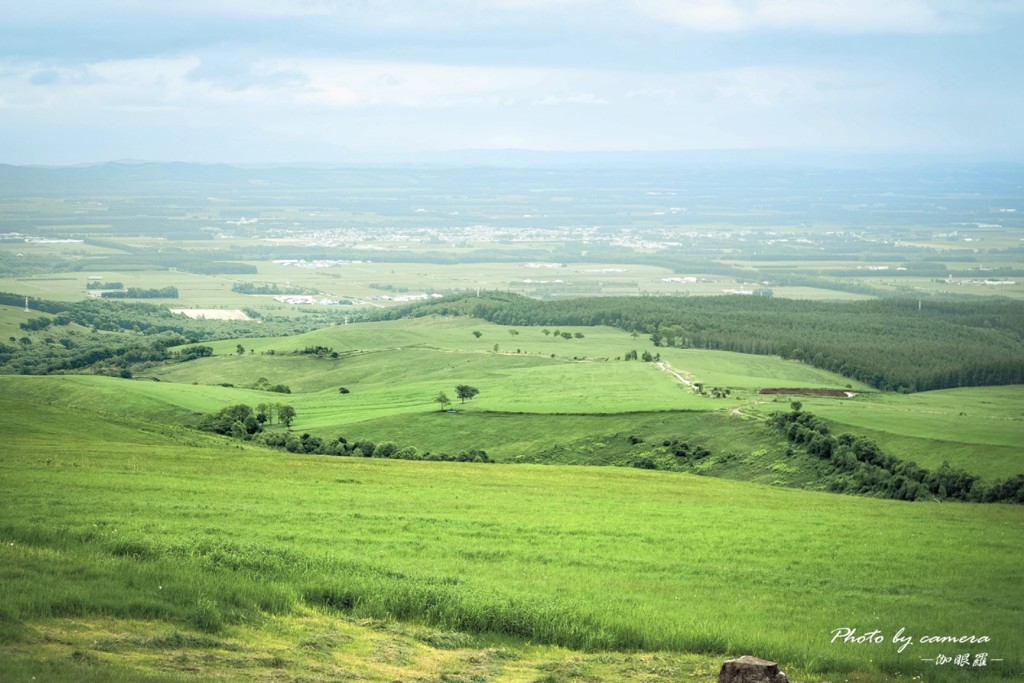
<point x="109" y="519"/>
<point x="530" y="372"/>
<point x="11" y="318"/>
<point x="977" y="428"/>
<point x="393" y="370"/>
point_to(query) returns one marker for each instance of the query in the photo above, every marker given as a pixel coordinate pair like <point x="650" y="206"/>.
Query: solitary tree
<point x="464" y="391"/>
<point x="477" y="333"/>
<point x="240" y="349"/>
<point x="443" y="399"/>
<point x="285" y="414"/>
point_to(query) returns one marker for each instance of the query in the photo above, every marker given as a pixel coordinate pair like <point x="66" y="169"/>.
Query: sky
<point x="263" y="81"/>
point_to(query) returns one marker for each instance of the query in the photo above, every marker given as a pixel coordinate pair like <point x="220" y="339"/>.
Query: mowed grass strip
<point x="603" y="558"/>
<point x="319" y="646"/>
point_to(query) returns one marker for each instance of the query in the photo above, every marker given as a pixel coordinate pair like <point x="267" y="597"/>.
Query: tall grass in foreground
<point x="588" y="558"/>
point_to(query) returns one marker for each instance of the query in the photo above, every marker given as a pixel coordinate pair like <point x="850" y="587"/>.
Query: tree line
<point x="858" y="465"/>
<point x="270" y="288"/>
<point x="891" y="344"/>
<point x="169" y="292"/>
<point x="245" y="423"/>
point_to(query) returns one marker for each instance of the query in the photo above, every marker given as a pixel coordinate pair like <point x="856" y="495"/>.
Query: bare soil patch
<point x="212" y="313"/>
<point x="810" y="392"/>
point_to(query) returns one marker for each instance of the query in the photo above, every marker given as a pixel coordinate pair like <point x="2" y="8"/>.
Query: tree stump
<point x="749" y="669"/>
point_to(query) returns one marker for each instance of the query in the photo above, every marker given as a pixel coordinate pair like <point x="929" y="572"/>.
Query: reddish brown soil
<point x="806" y="392"/>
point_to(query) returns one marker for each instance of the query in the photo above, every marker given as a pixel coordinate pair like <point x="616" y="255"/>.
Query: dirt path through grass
<point x="668" y="368"/>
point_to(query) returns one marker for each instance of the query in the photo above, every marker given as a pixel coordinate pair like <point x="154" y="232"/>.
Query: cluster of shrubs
<point x="683" y="449"/>
<point x="863" y="468"/>
<point x="41" y="323"/>
<point x="243" y="422"/>
<point x="319" y="351"/>
<point x="646" y="357"/>
<point x="685" y="455"/>
<point x="192" y="352"/>
<point x="263" y="384"/>
<point x="314" y="445"/>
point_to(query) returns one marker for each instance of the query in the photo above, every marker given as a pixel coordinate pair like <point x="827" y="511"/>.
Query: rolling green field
<point x="123" y="537"/>
<point x="534" y="385"/>
<point x="979" y="428"/>
<point x="136" y="547"/>
<point x="394" y="370"/>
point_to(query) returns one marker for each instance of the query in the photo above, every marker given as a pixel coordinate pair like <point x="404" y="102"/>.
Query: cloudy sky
<point x="327" y="81"/>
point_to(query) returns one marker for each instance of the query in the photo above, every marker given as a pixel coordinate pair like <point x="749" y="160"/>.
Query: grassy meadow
<point x="978" y="428"/>
<point x="127" y="543"/>
<point x="394" y="370"/>
<point x="538" y="391"/>
<point x="135" y="547"/>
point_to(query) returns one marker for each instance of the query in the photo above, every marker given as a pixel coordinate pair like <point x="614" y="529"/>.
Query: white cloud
<point x="289" y="83"/>
<point x="908" y="16"/>
<point x="581" y="98"/>
<point x="765" y="87"/>
<point x="144" y="8"/>
<point x="702" y="15"/>
<point x="208" y="86"/>
<point x="829" y="16"/>
<point x="136" y="83"/>
<point x="839" y="16"/>
<point x="287" y="79"/>
<point x="346" y="83"/>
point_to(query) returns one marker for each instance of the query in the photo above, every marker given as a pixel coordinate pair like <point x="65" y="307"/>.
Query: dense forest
<point x="891" y="344"/>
